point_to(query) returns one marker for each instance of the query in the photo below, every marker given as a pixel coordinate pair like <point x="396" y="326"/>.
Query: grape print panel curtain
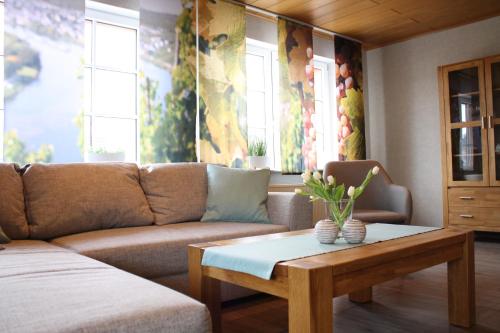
<point x="44" y="52"/>
<point x="350" y="108"/>
<point x="167" y="81"/>
<point x="296" y="95"/>
<point x="222" y="82"/>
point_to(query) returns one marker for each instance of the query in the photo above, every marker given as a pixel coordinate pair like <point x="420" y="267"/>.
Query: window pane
<point x="111" y="135"/>
<point x="88" y="90"/>
<point x="255" y="72"/>
<point x="114" y="93"/>
<point x="255" y="134"/>
<point x="317" y="117"/>
<point x="320" y="142"/>
<point x="256" y="109"/>
<point x="318" y="83"/>
<point x="88" y="42"/>
<point x="115" y="47"/>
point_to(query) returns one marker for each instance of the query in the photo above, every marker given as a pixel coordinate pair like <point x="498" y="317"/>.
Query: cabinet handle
<point x="490" y="122"/>
<point x="484" y="120"/>
<point x="466" y="198"/>
<point x="466" y="216"/>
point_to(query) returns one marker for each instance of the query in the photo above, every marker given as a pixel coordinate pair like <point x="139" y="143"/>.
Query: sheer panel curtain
<point x="296" y="95"/>
<point x="350" y="105"/>
<point x="222" y="82"/>
<point x="43" y="81"/>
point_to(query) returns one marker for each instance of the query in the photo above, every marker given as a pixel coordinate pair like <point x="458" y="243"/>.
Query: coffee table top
<point x="358" y="257"/>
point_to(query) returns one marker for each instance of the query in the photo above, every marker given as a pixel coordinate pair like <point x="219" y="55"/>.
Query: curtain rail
<point x="264" y="12"/>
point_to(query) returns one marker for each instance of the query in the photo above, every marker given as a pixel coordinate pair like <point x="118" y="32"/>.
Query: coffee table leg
<point x="310" y="299"/>
<point x="203" y="288"/>
<point x="461" y="286"/>
<point x="361" y="296"/>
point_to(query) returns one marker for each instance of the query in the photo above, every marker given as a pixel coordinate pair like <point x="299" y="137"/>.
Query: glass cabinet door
<point x="492" y="78"/>
<point x="466" y="124"/>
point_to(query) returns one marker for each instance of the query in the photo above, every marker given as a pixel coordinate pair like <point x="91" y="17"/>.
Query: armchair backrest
<point x="352" y="173"/>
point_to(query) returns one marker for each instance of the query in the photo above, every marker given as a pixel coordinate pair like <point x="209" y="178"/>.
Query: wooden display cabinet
<point x="470" y="145"/>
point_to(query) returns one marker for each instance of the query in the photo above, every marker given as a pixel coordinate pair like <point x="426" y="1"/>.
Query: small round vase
<point x="354" y="231"/>
<point x="326" y="231"/>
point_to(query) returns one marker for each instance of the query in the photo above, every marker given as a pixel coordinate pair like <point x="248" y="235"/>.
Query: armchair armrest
<point x="290" y="209"/>
<point x="400" y="201"/>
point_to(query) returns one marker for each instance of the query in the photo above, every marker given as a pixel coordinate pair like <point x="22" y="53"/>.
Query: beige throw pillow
<point x="63" y="199"/>
<point x="176" y="192"/>
<point x="12" y="216"/>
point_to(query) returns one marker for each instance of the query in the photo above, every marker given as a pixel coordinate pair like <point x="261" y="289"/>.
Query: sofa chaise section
<point x="46" y="288"/>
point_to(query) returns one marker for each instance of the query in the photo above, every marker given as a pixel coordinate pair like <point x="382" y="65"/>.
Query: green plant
<point x="257" y="148"/>
<point x="331" y="192"/>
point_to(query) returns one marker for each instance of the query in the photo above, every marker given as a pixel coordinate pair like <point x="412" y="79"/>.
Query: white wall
<point x="402" y="108"/>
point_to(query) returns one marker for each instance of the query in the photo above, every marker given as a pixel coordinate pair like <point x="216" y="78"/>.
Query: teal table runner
<point x="258" y="258"/>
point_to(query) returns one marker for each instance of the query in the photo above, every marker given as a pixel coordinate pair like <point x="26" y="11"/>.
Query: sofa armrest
<point x="400" y="201"/>
<point x="290" y="209"/>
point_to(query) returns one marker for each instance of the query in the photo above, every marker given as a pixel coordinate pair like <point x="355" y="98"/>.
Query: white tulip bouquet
<point x="333" y="194"/>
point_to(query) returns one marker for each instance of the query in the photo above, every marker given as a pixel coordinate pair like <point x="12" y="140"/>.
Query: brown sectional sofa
<point x="88" y="237"/>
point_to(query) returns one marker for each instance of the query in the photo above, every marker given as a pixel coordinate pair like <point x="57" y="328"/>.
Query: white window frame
<point x="271" y="66"/>
<point x="97" y="12"/>
<point x="330" y="149"/>
<point x="265" y="50"/>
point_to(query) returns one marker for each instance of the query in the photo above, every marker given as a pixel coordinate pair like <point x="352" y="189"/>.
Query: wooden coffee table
<point x="310" y="283"/>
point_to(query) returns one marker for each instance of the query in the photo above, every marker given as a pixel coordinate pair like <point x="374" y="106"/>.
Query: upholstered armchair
<point x="382" y="200"/>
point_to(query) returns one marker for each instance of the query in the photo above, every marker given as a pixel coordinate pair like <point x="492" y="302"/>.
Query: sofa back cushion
<point x="177" y="192"/>
<point x="63" y="199"/>
<point x="12" y="216"/>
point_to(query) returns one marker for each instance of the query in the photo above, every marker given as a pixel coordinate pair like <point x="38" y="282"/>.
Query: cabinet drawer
<point x="474" y="216"/>
<point x="474" y="197"/>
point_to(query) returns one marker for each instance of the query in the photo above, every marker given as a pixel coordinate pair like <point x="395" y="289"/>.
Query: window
<point x="325" y="117"/>
<point x="260" y="95"/>
<point x="111" y="88"/>
<point x="2" y="9"/>
<point x="263" y="102"/>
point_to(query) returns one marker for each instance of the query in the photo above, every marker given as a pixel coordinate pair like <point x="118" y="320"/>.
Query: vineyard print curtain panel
<point x="168" y="81"/>
<point x="350" y="110"/>
<point x="222" y="82"/>
<point x="296" y="95"/>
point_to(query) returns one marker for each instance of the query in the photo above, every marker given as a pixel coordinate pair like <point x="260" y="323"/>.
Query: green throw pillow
<point x="237" y="195"/>
<point x="3" y="237"/>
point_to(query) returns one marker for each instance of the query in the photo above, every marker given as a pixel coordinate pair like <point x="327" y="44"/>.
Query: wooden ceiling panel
<point x="337" y="10"/>
<point x="382" y="22"/>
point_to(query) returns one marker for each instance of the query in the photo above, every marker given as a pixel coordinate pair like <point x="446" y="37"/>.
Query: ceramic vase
<point x="326" y="231"/>
<point x="257" y="162"/>
<point x="354" y="231"/>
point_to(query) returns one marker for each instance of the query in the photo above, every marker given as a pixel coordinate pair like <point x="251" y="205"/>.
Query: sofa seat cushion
<point x="12" y="217"/>
<point x="378" y="216"/>
<point x="63" y="199"/>
<point x="49" y="289"/>
<point x="156" y="251"/>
